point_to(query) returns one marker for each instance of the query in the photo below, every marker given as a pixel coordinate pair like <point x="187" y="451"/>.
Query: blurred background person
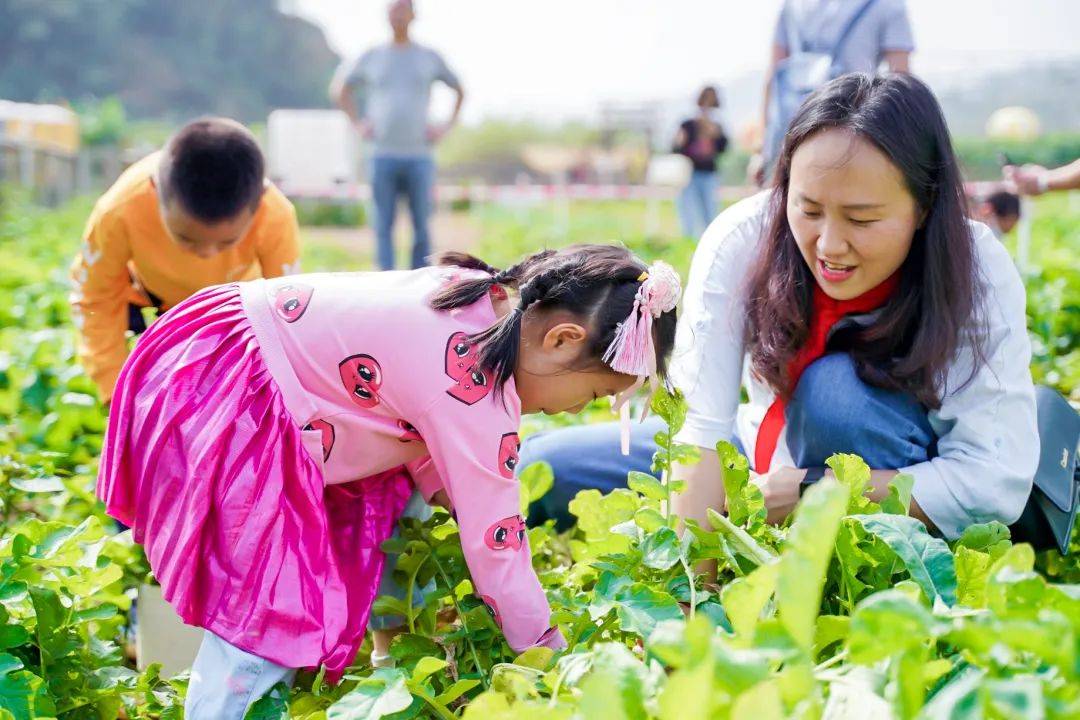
<point x="818" y="40"/>
<point x="1036" y="180"/>
<point x="386" y="92"/>
<point x="701" y="139"/>
<point x="999" y="211"/>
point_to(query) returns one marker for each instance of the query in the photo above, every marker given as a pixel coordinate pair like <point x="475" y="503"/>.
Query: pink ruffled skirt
<point x="205" y="463"/>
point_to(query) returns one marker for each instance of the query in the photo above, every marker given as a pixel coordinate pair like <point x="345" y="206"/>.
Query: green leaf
<point x="274" y="705"/>
<point x="426" y="666"/>
<point x="899" y="500"/>
<point x="9" y="663"/>
<point x="641" y="607"/>
<point x="456" y="690"/>
<point x="671" y="407"/>
<point x="536" y="480"/>
<point x="885" y="624"/>
<point x="744" y="598"/>
<point x="12" y="636"/>
<point x="957" y="700"/>
<point x="742" y="541"/>
<point x="649" y="519"/>
<point x="852" y="472"/>
<point x="805" y="558"/>
<point x="761" y="702"/>
<point x="408" y="648"/>
<point x="381" y="694"/>
<point x="661" y="549"/>
<point x="829" y="629"/>
<point x="972" y="573"/>
<point x="23" y="694"/>
<point x="614" y="689"/>
<point x="689" y="693"/>
<point x="745" y="503"/>
<point x="538" y="658"/>
<point x="647" y="485"/>
<point x="992" y="538"/>
<point x="597" y="513"/>
<point x="927" y="559"/>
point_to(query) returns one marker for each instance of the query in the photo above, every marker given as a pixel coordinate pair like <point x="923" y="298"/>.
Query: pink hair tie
<point x="632" y="350"/>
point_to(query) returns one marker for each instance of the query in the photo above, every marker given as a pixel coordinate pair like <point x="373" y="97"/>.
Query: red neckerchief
<point x="824" y="314"/>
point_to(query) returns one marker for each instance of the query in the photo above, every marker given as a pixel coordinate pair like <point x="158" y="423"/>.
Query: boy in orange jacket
<point x="199" y="212"/>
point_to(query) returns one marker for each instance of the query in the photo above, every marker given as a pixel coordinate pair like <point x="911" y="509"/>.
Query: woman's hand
<point x="781" y="490"/>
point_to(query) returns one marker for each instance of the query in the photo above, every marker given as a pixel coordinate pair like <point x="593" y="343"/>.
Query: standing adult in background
<point x="818" y="40"/>
<point x="702" y="139"/>
<point x="386" y="93"/>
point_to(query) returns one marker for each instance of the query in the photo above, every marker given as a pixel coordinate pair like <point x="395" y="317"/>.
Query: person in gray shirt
<point x="818" y="40"/>
<point x="386" y="93"/>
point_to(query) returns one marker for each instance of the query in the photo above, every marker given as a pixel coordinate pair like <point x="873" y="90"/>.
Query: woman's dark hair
<point x="213" y="168"/>
<point x="914" y="339"/>
<point x="705" y="93"/>
<point x="596" y="283"/>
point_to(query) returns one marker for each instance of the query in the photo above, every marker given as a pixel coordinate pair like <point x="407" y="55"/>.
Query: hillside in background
<point x="1052" y="90"/>
<point x="162" y="58"/>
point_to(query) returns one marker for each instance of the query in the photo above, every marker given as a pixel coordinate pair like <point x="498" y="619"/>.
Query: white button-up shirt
<point x="988" y="445"/>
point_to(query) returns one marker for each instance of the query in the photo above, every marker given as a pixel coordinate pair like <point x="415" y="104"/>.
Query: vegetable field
<point x="851" y="610"/>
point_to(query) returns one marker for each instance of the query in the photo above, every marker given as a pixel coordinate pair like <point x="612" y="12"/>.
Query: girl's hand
<point x="441" y="499"/>
<point x="781" y="490"/>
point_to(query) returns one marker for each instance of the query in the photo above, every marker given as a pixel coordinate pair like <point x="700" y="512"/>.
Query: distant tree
<point x="164" y="58"/>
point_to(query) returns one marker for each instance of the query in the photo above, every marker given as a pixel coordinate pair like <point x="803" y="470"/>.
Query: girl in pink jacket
<point x="265" y="437"/>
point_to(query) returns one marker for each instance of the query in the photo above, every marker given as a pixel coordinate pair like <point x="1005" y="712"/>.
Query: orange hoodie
<point x="127" y="252"/>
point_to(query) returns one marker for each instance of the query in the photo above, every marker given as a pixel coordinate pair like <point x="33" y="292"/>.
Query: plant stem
<point x="747" y="543"/>
<point x="464" y="622"/>
<point x="437" y="706"/>
<point x="837" y="658"/>
<point x="409" y="595"/>
<point x="693" y="590"/>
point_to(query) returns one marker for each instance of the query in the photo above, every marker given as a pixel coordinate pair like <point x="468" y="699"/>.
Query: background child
<point x="265" y="437"/>
<point x="200" y="212"/>
<point x="1000" y="211"/>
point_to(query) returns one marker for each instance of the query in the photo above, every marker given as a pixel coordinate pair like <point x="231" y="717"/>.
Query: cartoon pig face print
<point x="471" y="384"/>
<point x="362" y="377"/>
<point x="408" y="432"/>
<point x="292" y="300"/>
<point x="507" y="533"/>
<point x="327" y="432"/>
<point x="460" y="356"/>
<point x="508" y="454"/>
<point x="493" y="609"/>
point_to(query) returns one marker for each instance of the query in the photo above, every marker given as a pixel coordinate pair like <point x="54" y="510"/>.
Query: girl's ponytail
<point x="465" y="292"/>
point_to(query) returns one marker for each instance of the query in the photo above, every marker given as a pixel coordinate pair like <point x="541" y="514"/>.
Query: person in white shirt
<point x="862" y="312"/>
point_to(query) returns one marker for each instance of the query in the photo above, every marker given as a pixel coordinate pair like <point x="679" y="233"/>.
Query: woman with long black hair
<point x="861" y="312"/>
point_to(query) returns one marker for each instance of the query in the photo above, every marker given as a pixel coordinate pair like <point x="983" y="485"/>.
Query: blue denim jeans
<point x="392" y="177"/>
<point x="697" y="203"/>
<point x="420" y="510"/>
<point x="831" y="411"/>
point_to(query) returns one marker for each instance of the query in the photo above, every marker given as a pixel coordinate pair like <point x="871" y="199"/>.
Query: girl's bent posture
<point x="266" y="436"/>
